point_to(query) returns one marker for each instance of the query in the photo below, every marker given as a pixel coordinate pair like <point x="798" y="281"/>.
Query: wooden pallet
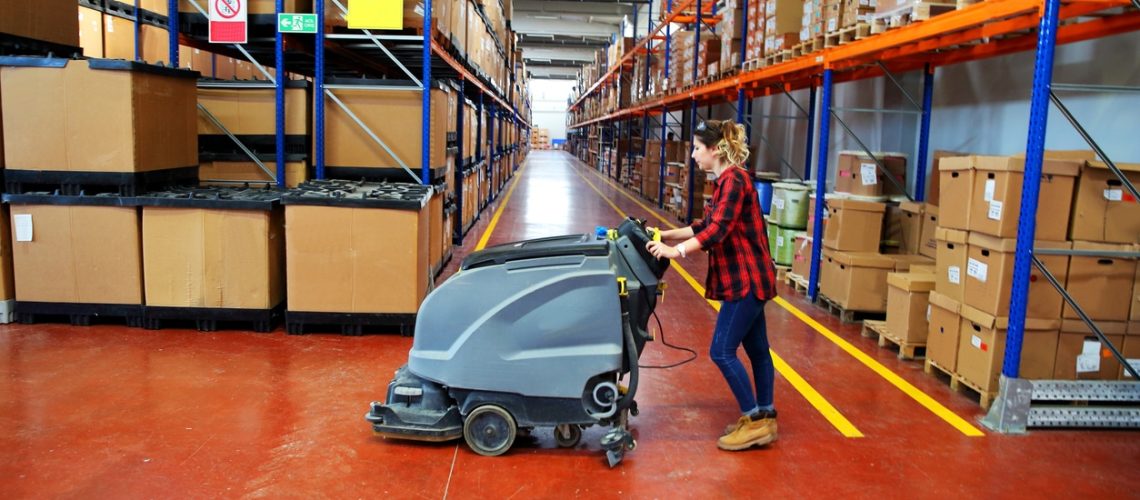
<point x="782" y="271"/>
<point x="754" y="64"/>
<point x="777" y="58"/>
<point x="985" y="399"/>
<point x="847" y="315"/>
<point x="907" y="350"/>
<point x="930" y="367"/>
<point x="908" y="15"/>
<point x="847" y="35"/>
<point x="797" y="282"/>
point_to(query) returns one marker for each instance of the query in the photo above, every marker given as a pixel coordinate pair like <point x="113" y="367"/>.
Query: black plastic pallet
<point x="262" y="145"/>
<point x="12" y="45"/>
<point x="29" y="313"/>
<point x="300" y="323"/>
<point x="207" y="319"/>
<point x="127" y="11"/>
<point x="370" y="174"/>
<point x="74" y="183"/>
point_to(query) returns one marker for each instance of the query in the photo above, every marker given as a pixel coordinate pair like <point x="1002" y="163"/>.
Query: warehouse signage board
<point x="376" y="15"/>
<point x="297" y="23"/>
<point x="229" y="21"/>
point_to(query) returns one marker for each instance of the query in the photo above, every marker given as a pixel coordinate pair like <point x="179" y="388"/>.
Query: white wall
<point x="548" y="102"/>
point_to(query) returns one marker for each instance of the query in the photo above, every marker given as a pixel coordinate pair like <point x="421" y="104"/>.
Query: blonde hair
<point x="727" y="138"/>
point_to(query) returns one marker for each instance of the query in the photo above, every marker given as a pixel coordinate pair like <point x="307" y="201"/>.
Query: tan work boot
<point x="736" y="425"/>
<point x="756" y="430"/>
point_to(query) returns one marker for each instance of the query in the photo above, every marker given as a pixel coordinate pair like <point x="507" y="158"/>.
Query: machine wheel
<point x="490" y="430"/>
<point x="567" y="435"/>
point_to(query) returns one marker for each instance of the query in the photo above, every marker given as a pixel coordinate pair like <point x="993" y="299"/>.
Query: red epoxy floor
<point x="108" y="411"/>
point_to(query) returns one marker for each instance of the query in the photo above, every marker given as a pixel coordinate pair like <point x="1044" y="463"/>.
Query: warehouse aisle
<point x="111" y="411"/>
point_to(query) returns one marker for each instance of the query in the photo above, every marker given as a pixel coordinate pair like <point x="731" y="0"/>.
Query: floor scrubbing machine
<point x="537" y="333"/>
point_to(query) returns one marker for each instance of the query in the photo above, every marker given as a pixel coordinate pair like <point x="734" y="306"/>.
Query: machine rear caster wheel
<point x="567" y="435"/>
<point x="490" y="430"/>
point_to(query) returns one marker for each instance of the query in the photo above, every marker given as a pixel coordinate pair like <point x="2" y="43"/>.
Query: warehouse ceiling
<point x="557" y="37"/>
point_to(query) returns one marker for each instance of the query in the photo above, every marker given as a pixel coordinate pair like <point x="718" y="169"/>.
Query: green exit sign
<point x="297" y="23"/>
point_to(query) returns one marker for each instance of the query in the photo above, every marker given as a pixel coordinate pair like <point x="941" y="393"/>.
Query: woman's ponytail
<point x="733" y="146"/>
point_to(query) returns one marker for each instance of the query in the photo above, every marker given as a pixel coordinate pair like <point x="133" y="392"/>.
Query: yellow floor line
<point x="499" y="211"/>
<point x="906" y="387"/>
<point x="829" y="412"/>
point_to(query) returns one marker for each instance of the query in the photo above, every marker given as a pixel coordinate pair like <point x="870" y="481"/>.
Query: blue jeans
<point x="741" y="322"/>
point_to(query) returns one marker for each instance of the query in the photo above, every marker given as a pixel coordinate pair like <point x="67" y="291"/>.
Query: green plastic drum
<point x="773" y="228"/>
<point x="785" y="252"/>
<point x="795" y="205"/>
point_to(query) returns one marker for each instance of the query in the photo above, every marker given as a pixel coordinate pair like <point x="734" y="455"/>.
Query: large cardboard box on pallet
<point x="98" y="116"/>
<point x="225" y="173"/>
<point x="989" y="276"/>
<point x="982" y="346"/>
<point x="1101" y="285"/>
<point x="76" y="250"/>
<point x="1082" y="356"/>
<point x="908" y="297"/>
<point x="91" y="32"/>
<point x="248" y="111"/>
<point x="1103" y="209"/>
<point x="945" y="322"/>
<point x="853" y="226"/>
<point x="200" y="254"/>
<point x="856" y="281"/>
<point x="351" y="150"/>
<point x="956" y="184"/>
<point x="951" y="263"/>
<point x="995" y="204"/>
<point x="47" y="20"/>
<point x="338" y="262"/>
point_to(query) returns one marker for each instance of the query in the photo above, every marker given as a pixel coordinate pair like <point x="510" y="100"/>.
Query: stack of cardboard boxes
<point x="782" y="24"/>
<point x="731" y="30"/>
<point x="976" y="247"/>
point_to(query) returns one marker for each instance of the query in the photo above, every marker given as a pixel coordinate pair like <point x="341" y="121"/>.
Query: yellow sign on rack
<point x="376" y="15"/>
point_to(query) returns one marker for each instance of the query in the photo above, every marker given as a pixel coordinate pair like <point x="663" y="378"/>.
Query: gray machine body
<point x="538" y="325"/>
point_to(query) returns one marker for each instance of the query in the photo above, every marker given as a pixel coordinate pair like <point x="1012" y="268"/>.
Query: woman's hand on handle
<point x="661" y="250"/>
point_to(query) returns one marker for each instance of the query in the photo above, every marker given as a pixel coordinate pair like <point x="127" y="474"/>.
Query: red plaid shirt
<point x="733" y="234"/>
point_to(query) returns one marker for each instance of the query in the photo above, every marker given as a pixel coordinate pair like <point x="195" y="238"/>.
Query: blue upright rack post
<point x="319" y="93"/>
<point x="425" y="149"/>
<point x="172" y="28"/>
<point x="810" y="132"/>
<point x="279" y="56"/>
<point x="820" y="186"/>
<point x="924" y="133"/>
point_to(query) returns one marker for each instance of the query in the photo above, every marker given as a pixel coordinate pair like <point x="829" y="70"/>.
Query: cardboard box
<point x="226" y="173"/>
<point x="853" y="226"/>
<point x="856" y="281"/>
<point x="801" y="263"/>
<point x="347" y="145"/>
<point x="989" y="277"/>
<point x="1103" y="210"/>
<point x="48" y="20"/>
<point x="860" y="175"/>
<point x="253" y="111"/>
<point x="913" y="215"/>
<point x="908" y="296"/>
<point x="951" y="263"/>
<point x="118" y="38"/>
<point x="7" y="276"/>
<point x="225" y="67"/>
<point x="213" y="258"/>
<point x="142" y="120"/>
<point x="336" y="260"/>
<point x="903" y="263"/>
<point x="1135" y="307"/>
<point x="996" y="197"/>
<point x="928" y="243"/>
<point x="944" y="319"/>
<point x="1100" y="285"/>
<point x="956" y="185"/>
<point x="982" y="346"/>
<point x="923" y="268"/>
<point x="77" y="254"/>
<point x="933" y="179"/>
<point x="1081" y="355"/>
<point x="91" y="31"/>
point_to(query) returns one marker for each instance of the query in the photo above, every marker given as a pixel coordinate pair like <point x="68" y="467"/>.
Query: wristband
<point x="681" y="249"/>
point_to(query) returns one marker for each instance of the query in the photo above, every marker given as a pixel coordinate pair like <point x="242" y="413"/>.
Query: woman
<point x="741" y="275"/>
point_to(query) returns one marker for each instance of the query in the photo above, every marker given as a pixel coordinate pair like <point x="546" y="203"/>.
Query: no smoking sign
<point x="229" y="21"/>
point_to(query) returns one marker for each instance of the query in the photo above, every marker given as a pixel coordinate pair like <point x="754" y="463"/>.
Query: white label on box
<point x="110" y="27"/>
<point x="832" y="24"/>
<point x="1090" y="347"/>
<point x="868" y="172"/>
<point x="1088" y="363"/>
<point x="23" y="226"/>
<point x="977" y="270"/>
<point x="778" y="202"/>
<point x="976" y="341"/>
<point x="928" y="313"/>
<point x="989" y="194"/>
<point x="995" y="210"/>
<point x="1135" y="363"/>
<point x="955" y="275"/>
<point x="1114" y="194"/>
